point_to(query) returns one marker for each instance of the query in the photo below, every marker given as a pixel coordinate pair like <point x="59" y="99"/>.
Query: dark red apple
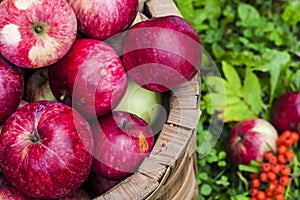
<point x="122" y="141"/>
<point x="285" y="112"/>
<point x="8" y="192"/>
<point x="104" y="18"/>
<point x="79" y="194"/>
<point x="11" y="89"/>
<point x="37" y="87"/>
<point x="249" y="139"/>
<point x="91" y="78"/>
<point x="36" y="33"/>
<point x="46" y="149"/>
<point x="162" y="53"/>
<point x="100" y="185"/>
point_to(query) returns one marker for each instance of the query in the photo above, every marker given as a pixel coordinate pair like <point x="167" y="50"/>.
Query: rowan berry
<point x="279" y="189"/>
<point x="255" y="183"/>
<point x="281" y="158"/>
<point x="285" y="170"/>
<point x="253" y="192"/>
<point x="289" y="155"/>
<point x="282" y="149"/>
<point x="261" y="195"/>
<point x="269" y="192"/>
<point x="275" y="168"/>
<point x="263" y="177"/>
<point x="271" y="176"/>
<point x="284" y="180"/>
<point x="273" y="159"/>
<point x="279" y="197"/>
<point x="268" y="155"/>
<point x="265" y="167"/>
<point x="295" y="136"/>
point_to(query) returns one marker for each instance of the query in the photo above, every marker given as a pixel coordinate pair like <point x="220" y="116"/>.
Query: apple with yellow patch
<point x="122" y="140"/>
<point x="36" y="33"/>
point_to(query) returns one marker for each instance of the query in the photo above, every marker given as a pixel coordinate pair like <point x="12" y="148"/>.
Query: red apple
<point x="8" y="192"/>
<point x="249" y="139"/>
<point x="12" y="88"/>
<point x="37" y="87"/>
<point x="285" y="112"/>
<point x="46" y="149"/>
<point x="79" y="194"/>
<point x="91" y="78"/>
<point x="100" y="185"/>
<point x="104" y="18"/>
<point x="122" y="141"/>
<point x="36" y="33"/>
<point x="162" y="53"/>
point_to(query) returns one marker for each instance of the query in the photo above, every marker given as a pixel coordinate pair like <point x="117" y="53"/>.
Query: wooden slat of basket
<point x="159" y="8"/>
<point x="135" y="187"/>
<point x="152" y="169"/>
<point x="170" y="145"/>
<point x="184" y="118"/>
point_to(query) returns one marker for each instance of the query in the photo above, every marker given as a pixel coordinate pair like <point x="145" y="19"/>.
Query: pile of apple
<point x="72" y="107"/>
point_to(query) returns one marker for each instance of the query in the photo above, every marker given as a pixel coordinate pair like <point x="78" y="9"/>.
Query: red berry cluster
<point x="274" y="171"/>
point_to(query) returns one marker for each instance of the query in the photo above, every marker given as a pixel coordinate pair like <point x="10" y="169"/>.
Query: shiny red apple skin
<point x="249" y="139"/>
<point x="161" y="53"/>
<point x="122" y="141"/>
<point x="12" y="89"/>
<point x="49" y="146"/>
<point x="91" y="78"/>
<point x="36" y="33"/>
<point x="285" y="112"/>
<point x="104" y="18"/>
<point x="8" y="192"/>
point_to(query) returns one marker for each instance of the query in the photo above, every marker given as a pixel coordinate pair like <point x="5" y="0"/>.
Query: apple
<point x="285" y="112"/>
<point x="144" y="103"/>
<point x="79" y="194"/>
<point x="11" y="193"/>
<point x="161" y="53"/>
<point x="100" y="185"/>
<point x="91" y="78"/>
<point x="249" y="139"/>
<point x="12" y="89"/>
<point x="122" y="141"/>
<point x="49" y="146"/>
<point x="37" y="87"/>
<point x="36" y="33"/>
<point x="104" y="18"/>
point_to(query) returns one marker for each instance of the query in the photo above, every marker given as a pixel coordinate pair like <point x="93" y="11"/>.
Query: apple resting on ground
<point x="12" y="88"/>
<point x="37" y="87"/>
<point x="49" y="146"/>
<point x="285" y="112"/>
<point x="162" y="53"/>
<point x="36" y="33"/>
<point x="144" y="103"/>
<point x="249" y="139"/>
<point x="104" y="18"/>
<point x="122" y="141"/>
<point x="91" y="78"/>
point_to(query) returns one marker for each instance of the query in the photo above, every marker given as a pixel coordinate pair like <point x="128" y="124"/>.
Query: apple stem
<point x="124" y="124"/>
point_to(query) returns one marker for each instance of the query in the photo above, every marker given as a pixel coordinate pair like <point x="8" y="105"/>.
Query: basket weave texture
<point x="169" y="173"/>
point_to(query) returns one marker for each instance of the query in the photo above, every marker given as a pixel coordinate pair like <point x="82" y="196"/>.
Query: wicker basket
<point x="170" y="170"/>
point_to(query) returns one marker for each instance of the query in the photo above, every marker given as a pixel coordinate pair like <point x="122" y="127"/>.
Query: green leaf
<point x="248" y="168"/>
<point x="252" y="92"/>
<point x="231" y="76"/>
<point x="248" y="15"/>
<point x="205" y="190"/>
<point x="291" y="14"/>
